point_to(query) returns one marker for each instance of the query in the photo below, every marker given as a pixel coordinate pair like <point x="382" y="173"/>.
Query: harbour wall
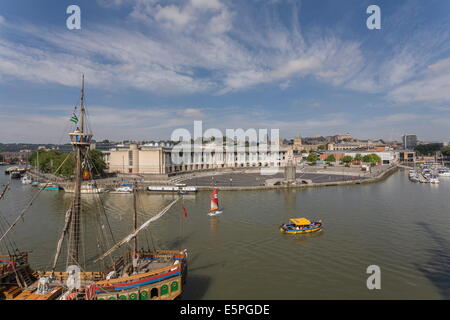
<point x="383" y="175"/>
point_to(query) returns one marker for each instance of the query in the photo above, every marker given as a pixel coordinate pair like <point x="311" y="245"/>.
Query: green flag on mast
<point x="74" y="118"/>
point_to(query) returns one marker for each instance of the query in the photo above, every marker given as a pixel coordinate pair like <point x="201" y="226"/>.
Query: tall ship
<point x="135" y="274"/>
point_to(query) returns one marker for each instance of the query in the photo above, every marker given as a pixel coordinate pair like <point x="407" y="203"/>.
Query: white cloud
<point x="111" y="3"/>
<point x="174" y="15"/>
<point x="183" y="39"/>
<point x="433" y="86"/>
<point x="198" y="46"/>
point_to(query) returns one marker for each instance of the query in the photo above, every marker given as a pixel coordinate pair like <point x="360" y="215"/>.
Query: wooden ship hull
<point x="164" y="283"/>
<point x="164" y="280"/>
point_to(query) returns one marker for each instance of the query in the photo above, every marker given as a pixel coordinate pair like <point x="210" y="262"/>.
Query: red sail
<point x="214" y="200"/>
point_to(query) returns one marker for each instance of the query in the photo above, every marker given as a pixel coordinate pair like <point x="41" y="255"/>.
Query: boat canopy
<point x="301" y="221"/>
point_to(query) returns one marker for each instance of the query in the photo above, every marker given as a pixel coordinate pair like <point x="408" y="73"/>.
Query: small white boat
<point x="176" y="188"/>
<point x="124" y="188"/>
<point x="27" y="180"/>
<point x="214" y="210"/>
<point x="90" y="188"/>
<point x="433" y="179"/>
<point x="444" y="173"/>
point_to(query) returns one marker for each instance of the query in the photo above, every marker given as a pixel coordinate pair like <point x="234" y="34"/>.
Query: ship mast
<point x="135" y="220"/>
<point x="80" y="141"/>
<point x="135" y="226"/>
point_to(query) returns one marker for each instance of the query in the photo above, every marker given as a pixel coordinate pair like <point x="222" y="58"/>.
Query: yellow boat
<point x="301" y="225"/>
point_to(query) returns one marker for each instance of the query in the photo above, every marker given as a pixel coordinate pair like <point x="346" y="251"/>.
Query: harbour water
<point x="402" y="227"/>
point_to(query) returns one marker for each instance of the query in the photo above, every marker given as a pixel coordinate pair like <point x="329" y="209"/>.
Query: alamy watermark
<point x="374" y="20"/>
<point x="374" y="280"/>
<point x="73" y="22"/>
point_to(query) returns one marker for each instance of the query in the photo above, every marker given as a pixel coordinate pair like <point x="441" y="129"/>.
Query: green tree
<point x="358" y="157"/>
<point x="446" y="151"/>
<point x="312" y="157"/>
<point x="321" y="147"/>
<point x="367" y="158"/>
<point x="347" y="159"/>
<point x="376" y="158"/>
<point x="96" y="157"/>
<point x="50" y="161"/>
<point x="331" y="158"/>
<point x="428" y="149"/>
<point x="371" y="158"/>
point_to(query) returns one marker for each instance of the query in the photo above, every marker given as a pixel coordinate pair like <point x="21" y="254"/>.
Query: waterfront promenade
<point x="305" y="177"/>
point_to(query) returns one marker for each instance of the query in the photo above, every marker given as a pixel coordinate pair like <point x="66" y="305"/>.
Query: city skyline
<point x="304" y="67"/>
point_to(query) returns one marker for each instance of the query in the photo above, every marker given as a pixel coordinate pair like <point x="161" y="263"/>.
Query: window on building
<point x="130" y="158"/>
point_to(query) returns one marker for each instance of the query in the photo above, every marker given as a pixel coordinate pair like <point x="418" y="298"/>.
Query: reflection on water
<point x="398" y="225"/>
<point x="213" y="224"/>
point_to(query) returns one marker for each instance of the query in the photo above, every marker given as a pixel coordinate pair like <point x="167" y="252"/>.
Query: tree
<point x="376" y="158"/>
<point x="96" y="157"/>
<point x="371" y="158"/>
<point x="367" y="158"/>
<point x="428" y="149"/>
<point x="321" y="147"/>
<point x="347" y="159"/>
<point x="331" y="158"/>
<point x="358" y="157"/>
<point x="446" y="151"/>
<point x="50" y="161"/>
<point x="312" y="157"/>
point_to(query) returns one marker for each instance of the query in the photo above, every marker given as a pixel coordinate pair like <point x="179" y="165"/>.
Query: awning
<point x="301" y="221"/>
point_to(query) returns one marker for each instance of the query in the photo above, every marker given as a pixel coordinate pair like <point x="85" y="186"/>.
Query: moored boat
<point x="433" y="179"/>
<point x="89" y="188"/>
<point x="27" y="180"/>
<point x="124" y="188"/>
<point x="301" y="225"/>
<point x="15" y="175"/>
<point x="49" y="186"/>
<point x="174" y="189"/>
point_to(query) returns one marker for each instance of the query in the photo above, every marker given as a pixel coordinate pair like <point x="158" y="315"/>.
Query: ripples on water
<point x="400" y="226"/>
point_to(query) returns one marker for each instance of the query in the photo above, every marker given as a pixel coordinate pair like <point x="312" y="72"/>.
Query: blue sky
<point x="305" y="67"/>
